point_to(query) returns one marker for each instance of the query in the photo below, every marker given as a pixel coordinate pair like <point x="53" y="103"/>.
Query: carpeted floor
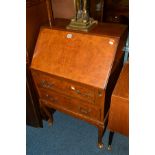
<point x="70" y="136"/>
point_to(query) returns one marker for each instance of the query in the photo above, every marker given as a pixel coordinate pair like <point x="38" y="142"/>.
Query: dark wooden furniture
<point x="36" y="15"/>
<point x="75" y="72"/>
<point x="119" y="108"/>
<point x="116" y="11"/>
<point x="97" y="9"/>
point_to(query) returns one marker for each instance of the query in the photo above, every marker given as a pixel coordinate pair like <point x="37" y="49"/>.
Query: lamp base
<point x="82" y="26"/>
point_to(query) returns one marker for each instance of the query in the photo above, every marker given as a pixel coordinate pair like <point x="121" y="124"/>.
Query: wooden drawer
<point x="62" y="102"/>
<point x="69" y="88"/>
<point x="86" y="110"/>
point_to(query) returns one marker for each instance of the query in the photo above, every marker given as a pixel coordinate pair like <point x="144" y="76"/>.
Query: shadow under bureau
<point x="71" y="71"/>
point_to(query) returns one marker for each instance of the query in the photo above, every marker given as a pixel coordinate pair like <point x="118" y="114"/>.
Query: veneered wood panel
<point x="119" y="108"/>
<point x="84" y="58"/>
<point x="119" y="115"/>
<point x="67" y="87"/>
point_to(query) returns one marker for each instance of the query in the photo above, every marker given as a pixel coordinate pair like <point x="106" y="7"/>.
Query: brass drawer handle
<point x="51" y="98"/>
<point x="84" y="111"/>
<point x="75" y="90"/>
<point x="45" y="84"/>
<point x="100" y="93"/>
<point x="78" y="92"/>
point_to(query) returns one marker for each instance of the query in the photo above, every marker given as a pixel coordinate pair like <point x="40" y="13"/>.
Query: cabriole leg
<point x="100" y="135"/>
<point x="49" y="115"/>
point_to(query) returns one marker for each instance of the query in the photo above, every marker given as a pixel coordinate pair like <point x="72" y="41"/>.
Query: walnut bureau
<point x="71" y="71"/>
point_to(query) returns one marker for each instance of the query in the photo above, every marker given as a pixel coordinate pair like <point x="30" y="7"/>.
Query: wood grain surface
<point x="84" y="58"/>
<point x="74" y="72"/>
<point x="119" y="108"/>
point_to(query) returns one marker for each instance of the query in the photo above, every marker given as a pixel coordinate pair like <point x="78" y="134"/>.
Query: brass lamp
<point x="81" y="21"/>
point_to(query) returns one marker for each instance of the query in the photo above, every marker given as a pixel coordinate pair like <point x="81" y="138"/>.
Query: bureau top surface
<point x="106" y="29"/>
<point x="76" y="56"/>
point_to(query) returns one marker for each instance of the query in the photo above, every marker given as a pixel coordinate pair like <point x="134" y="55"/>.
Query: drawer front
<point x="69" y="88"/>
<point x="85" y="110"/>
<point x="69" y="104"/>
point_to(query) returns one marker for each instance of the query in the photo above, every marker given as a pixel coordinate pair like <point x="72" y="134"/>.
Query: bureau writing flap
<point x="76" y="56"/>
